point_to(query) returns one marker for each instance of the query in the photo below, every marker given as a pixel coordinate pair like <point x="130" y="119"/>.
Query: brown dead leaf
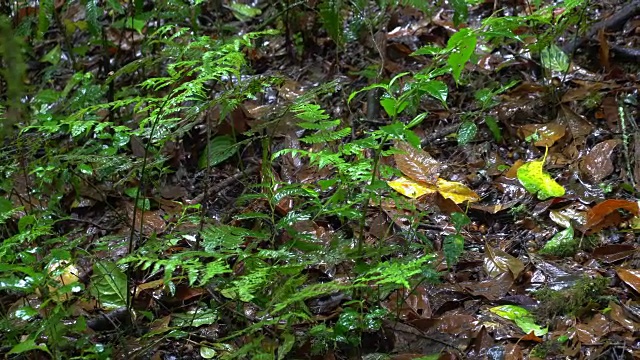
<point x="548" y="133"/>
<point x="599" y="213"/>
<point x="630" y="277"/>
<point x="417" y="164"/>
<point x="597" y="165"/>
<point x="497" y="262"/>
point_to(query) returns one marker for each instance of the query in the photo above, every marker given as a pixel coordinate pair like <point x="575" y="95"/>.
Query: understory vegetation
<point x="322" y="179"/>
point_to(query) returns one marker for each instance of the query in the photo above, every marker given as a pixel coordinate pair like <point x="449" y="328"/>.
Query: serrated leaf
<point x="219" y="149"/>
<point x="467" y="132"/>
<point x="416" y="163"/>
<point x="521" y="316"/>
<point x="554" y="59"/>
<point x="411" y="188"/>
<point x="537" y="181"/>
<point x="109" y="285"/>
<point x="456" y="191"/>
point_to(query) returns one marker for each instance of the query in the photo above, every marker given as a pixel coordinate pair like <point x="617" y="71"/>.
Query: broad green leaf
<point x="462" y="45"/>
<point x="244" y="12"/>
<point x="219" y="149"/>
<point x="197" y="317"/>
<point x="554" y="59"/>
<point x="561" y="243"/>
<point x="467" y="132"/>
<point x="437" y="89"/>
<point x="28" y="345"/>
<point x="521" y="316"/>
<point x="536" y="181"/>
<point x="109" y="285"/>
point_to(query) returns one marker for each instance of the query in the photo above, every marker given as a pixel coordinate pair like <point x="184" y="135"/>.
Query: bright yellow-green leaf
<point x="521" y="316"/>
<point x="411" y="188"/>
<point x="456" y="191"/>
<point x="536" y="181"/>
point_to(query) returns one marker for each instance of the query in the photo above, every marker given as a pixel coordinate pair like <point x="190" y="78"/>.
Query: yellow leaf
<point x="410" y="188"/>
<point x="456" y="191"/>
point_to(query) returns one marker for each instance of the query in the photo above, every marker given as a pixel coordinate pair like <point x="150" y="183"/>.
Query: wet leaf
<point x="536" y="181"/>
<point x="597" y="165"/>
<point x="497" y="262"/>
<point x="598" y="213"/>
<point x="467" y="132"/>
<point x="28" y="345"/>
<point x="521" y="316"/>
<point x="456" y="191"/>
<point x="410" y="188"/>
<point x="109" y="285"/>
<point x="416" y="164"/>
<point x="547" y="134"/>
<point x="631" y="277"/>
<point x="560" y="243"/>
<point x="436" y="89"/>
<point x="554" y="59"/>
<point x="462" y="44"/>
<point x="453" y="247"/>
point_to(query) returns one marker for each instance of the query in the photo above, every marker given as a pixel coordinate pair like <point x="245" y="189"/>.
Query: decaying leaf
<point x="548" y="134"/>
<point x="417" y="164"/>
<point x="597" y="165"/>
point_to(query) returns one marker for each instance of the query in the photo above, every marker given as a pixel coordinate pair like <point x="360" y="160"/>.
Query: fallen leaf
<point x="416" y="164"/>
<point x="538" y="182"/>
<point x="411" y="188"/>
<point x="598" y="213"/>
<point x="456" y="191"/>
<point x="548" y="134"/>
<point x="597" y="165"/>
<point x="631" y="277"/>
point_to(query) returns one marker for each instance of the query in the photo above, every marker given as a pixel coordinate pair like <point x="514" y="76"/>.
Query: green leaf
<point x="521" y="316"/>
<point x="437" y="89"/>
<point x="554" y="59"/>
<point x="493" y="126"/>
<point x="332" y="21"/>
<point x="462" y="45"/>
<point x="53" y="56"/>
<point x="453" y="247"/>
<point x="244" y="12"/>
<point x="460" y="220"/>
<point x="197" y="317"/>
<point x="28" y="345"/>
<point x="561" y="243"/>
<point x="219" y="149"/>
<point x="536" y="181"/>
<point x="467" y="132"/>
<point x="460" y="11"/>
<point x="109" y="285"/>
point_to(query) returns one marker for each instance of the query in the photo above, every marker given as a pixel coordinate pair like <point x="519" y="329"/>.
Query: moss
<point x="585" y="295"/>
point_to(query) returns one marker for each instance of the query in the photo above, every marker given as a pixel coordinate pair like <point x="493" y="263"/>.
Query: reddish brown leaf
<point x="599" y="213"/>
<point x="417" y="164"/>
<point x="597" y="164"/>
